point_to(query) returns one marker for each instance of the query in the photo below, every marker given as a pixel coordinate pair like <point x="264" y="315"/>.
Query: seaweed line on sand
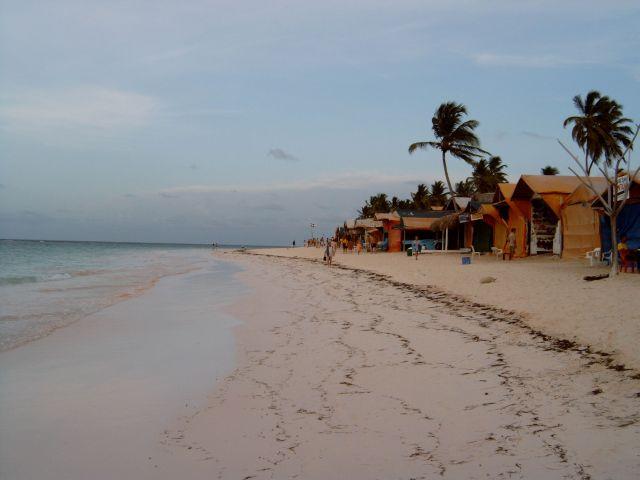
<point x="456" y="302"/>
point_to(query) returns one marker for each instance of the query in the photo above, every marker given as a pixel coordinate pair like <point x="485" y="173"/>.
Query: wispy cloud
<point x="346" y="180"/>
<point x="489" y="59"/>
<point x="81" y="110"/>
<point x="280" y="154"/>
<point x="168" y="194"/>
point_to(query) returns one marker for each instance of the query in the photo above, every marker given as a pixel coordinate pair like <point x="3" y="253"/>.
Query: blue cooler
<point x="466" y="260"/>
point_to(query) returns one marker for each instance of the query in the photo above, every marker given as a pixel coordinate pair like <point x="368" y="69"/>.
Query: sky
<point x="245" y="121"/>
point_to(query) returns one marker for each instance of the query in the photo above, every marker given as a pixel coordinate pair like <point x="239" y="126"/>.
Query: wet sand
<point x="346" y="374"/>
<point x="93" y="400"/>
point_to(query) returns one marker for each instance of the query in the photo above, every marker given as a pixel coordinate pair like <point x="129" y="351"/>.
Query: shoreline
<point x="575" y="322"/>
<point x="108" y="387"/>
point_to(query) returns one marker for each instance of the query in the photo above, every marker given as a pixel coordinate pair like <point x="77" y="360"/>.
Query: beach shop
<point x="391" y="231"/>
<point x="420" y="223"/>
<point x="580" y="222"/>
<point x="540" y="199"/>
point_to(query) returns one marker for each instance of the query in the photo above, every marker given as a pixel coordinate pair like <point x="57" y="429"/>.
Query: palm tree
<point x="438" y="195"/>
<point x="487" y="174"/>
<point x="420" y="198"/>
<point x="453" y="135"/>
<point x="549" y="170"/>
<point x="600" y="130"/>
<point x="496" y="167"/>
<point x="376" y="204"/>
<point x="466" y="188"/>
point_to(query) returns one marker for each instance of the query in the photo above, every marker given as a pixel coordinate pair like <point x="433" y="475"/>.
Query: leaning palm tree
<point x="600" y="130"/>
<point x="453" y="135"/>
<point x="549" y="170"/>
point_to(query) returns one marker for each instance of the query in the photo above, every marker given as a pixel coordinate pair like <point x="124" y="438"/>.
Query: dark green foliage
<point x="600" y="130"/>
<point x="454" y="135"/>
<point x="487" y="174"/>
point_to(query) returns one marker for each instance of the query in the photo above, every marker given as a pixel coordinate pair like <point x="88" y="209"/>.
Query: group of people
<point x="316" y="242"/>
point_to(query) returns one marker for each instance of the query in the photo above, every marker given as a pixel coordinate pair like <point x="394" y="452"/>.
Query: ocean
<point x="45" y="285"/>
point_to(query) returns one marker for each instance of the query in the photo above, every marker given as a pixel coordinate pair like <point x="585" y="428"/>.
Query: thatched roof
<point x="368" y="223"/>
<point x="420" y="223"/>
<point x="387" y="216"/>
<point x="443" y="223"/>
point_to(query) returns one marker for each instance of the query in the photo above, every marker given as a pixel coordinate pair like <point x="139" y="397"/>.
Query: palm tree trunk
<point x="587" y="167"/>
<point x="446" y="176"/>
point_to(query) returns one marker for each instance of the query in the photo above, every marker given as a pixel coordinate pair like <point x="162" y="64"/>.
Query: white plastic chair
<point x="473" y="251"/>
<point x="594" y="256"/>
<point x="497" y="252"/>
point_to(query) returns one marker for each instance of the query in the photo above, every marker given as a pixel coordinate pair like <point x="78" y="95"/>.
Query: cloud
<point x="342" y="181"/>
<point x="167" y="194"/>
<point x="536" y="135"/>
<point x="130" y="195"/>
<point x="80" y="111"/>
<point x="489" y="59"/>
<point x="193" y="166"/>
<point x="275" y="207"/>
<point x="280" y="154"/>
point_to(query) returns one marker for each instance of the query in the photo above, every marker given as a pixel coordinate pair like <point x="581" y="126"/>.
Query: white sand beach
<point x="548" y="293"/>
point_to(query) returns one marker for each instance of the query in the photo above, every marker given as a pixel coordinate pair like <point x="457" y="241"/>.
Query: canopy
<point x="418" y="223"/>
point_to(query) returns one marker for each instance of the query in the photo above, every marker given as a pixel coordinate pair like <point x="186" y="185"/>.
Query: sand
<point x="93" y="400"/>
<point x="340" y="373"/>
<point x="345" y="374"/>
<point x="550" y="294"/>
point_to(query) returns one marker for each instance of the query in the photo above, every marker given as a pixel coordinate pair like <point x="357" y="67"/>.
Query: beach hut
<point x="369" y="230"/>
<point x="580" y="222"/>
<point x="420" y="223"/>
<point x="509" y="217"/>
<point x="540" y="199"/>
<point x="391" y="230"/>
<point x="479" y="221"/>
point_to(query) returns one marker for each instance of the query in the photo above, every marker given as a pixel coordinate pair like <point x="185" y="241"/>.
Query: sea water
<point x="101" y="398"/>
<point x="45" y="285"/>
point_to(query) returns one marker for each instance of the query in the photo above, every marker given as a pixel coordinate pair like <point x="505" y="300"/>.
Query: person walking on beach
<point x="415" y="247"/>
<point x="511" y="244"/>
<point x="294" y="244"/>
<point x="328" y="252"/>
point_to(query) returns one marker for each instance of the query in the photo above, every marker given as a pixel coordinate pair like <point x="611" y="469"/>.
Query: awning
<point x="413" y="223"/>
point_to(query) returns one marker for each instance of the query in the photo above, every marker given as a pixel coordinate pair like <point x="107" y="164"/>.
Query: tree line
<point x="600" y="130"/>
